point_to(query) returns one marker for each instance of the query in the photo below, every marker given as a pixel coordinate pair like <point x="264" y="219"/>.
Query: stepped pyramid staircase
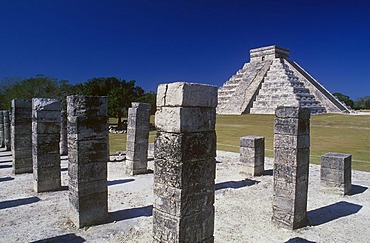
<point x="270" y="80"/>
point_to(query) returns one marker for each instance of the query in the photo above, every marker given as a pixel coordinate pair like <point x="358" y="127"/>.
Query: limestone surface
<point x="45" y="142"/>
<point x="291" y="166"/>
<point x="184" y="163"/>
<point x="252" y="155"/>
<point x="2" y="137"/>
<point x="63" y="133"/>
<point x="6" y="130"/>
<point x="21" y="136"/>
<point x="336" y="172"/>
<point x="138" y="126"/>
<point x="87" y="130"/>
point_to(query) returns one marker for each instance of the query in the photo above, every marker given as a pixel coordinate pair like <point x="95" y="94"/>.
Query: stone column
<point x="336" y="172"/>
<point x="6" y="130"/>
<point x="291" y="166"/>
<point x="87" y="130"/>
<point x="184" y="169"/>
<point x="21" y="136"/>
<point x="2" y="144"/>
<point x="138" y="126"/>
<point x="45" y="142"/>
<point x="63" y="134"/>
<point x="252" y="155"/>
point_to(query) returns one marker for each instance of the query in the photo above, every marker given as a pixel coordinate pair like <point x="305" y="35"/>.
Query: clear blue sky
<point x="158" y="41"/>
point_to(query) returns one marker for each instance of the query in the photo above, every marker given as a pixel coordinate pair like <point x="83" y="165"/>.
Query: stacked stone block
<point x="336" y="169"/>
<point x="2" y="144"/>
<point x="138" y="126"/>
<point x="252" y="155"/>
<point x="21" y="136"/>
<point x="291" y="166"/>
<point x="45" y="142"/>
<point x="87" y="130"/>
<point x="184" y="169"/>
<point x="6" y="130"/>
<point x="63" y="133"/>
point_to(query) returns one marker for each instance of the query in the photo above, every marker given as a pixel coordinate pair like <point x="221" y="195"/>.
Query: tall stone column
<point x="21" y="136"/>
<point x="2" y="142"/>
<point x="87" y="130"/>
<point x="63" y="133"/>
<point x="184" y="169"/>
<point x="291" y="166"/>
<point x="45" y="142"/>
<point x="6" y="130"/>
<point x="138" y="126"/>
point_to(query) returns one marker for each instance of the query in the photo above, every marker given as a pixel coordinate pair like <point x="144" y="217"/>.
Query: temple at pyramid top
<point x="268" y="53"/>
<point x="270" y="80"/>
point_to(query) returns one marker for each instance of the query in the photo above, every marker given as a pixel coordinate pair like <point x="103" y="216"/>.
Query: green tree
<point x="39" y="86"/>
<point x="345" y="99"/>
<point x="120" y="94"/>
<point x="362" y="103"/>
<point x="150" y="98"/>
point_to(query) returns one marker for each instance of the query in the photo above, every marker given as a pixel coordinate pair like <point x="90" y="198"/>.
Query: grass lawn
<point x="329" y="133"/>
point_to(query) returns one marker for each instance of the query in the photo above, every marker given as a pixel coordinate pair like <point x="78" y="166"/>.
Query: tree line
<point x="361" y="103"/>
<point x="119" y="91"/>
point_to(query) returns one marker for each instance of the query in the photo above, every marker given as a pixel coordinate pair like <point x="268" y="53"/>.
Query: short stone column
<point x="63" y="145"/>
<point x="252" y="155"/>
<point x="45" y="142"/>
<point x="336" y="170"/>
<point x="87" y="130"/>
<point x="6" y="130"/>
<point x="2" y="142"/>
<point x="184" y="166"/>
<point x="21" y="136"/>
<point x="291" y="166"/>
<point x="138" y="126"/>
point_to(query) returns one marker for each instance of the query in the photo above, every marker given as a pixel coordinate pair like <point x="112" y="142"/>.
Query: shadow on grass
<point x="331" y="212"/>
<point x="63" y="239"/>
<point x="357" y="189"/>
<point x="299" y="240"/>
<point x="18" y="202"/>
<point x="6" y="179"/>
<point x="116" y="182"/>
<point x="130" y="213"/>
<point x="235" y="184"/>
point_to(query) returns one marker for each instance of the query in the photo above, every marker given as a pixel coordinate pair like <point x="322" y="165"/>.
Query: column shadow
<point x="299" y="240"/>
<point x="62" y="238"/>
<point x="130" y="213"/>
<point x="116" y="182"/>
<point x="235" y="184"/>
<point x="6" y="179"/>
<point x="6" y="161"/>
<point x="18" y="202"/>
<point x="268" y="172"/>
<point x="357" y="189"/>
<point x="331" y="212"/>
<point x="6" y="155"/>
<point x="5" y="166"/>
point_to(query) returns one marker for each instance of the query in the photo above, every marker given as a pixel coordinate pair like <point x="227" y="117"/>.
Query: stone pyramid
<point x="270" y="80"/>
